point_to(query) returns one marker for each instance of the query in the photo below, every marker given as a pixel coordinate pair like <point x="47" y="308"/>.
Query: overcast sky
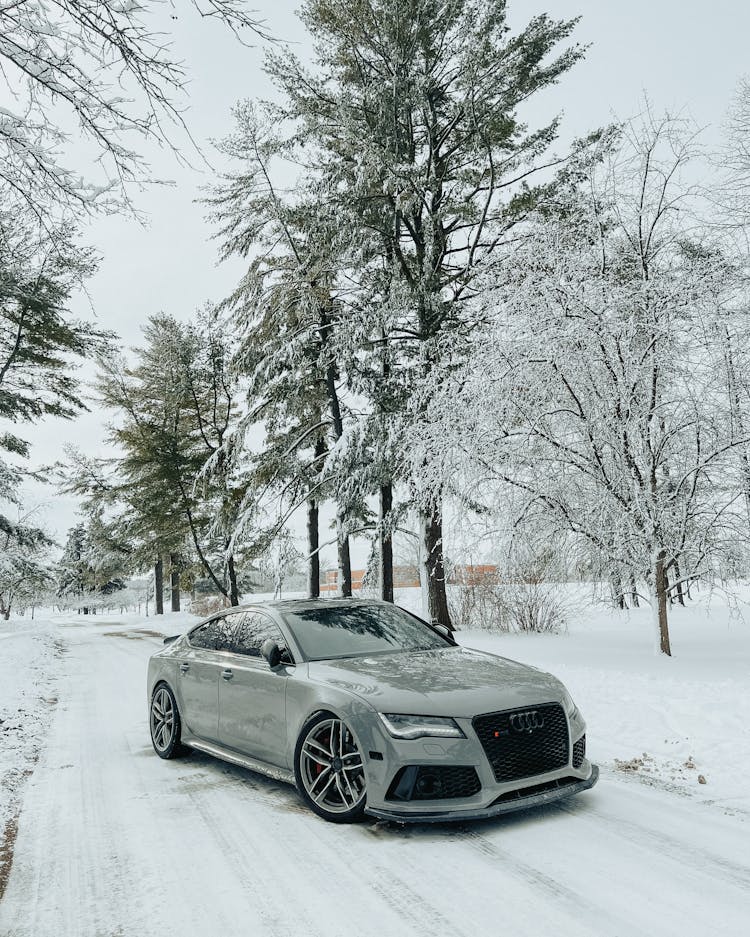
<point x="684" y="54"/>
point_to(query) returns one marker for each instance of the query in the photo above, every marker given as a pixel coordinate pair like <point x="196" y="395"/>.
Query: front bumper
<point x="388" y="756"/>
<point x="520" y="802"/>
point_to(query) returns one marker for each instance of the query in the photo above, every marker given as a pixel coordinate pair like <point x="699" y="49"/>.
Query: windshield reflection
<point x="359" y="630"/>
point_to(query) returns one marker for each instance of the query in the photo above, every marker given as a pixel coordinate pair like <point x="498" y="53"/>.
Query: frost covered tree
<point x="83" y="573"/>
<point x="734" y="159"/>
<point x="102" y="72"/>
<point x="412" y="108"/>
<point x="596" y="398"/>
<point x="287" y="312"/>
<point x="38" y="339"/>
<point x="172" y="475"/>
<point x="25" y="563"/>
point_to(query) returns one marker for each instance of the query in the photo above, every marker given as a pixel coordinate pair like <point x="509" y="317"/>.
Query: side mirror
<point x="445" y="632"/>
<point x="270" y="651"/>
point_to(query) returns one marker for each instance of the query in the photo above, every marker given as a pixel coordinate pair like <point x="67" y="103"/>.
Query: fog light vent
<point x="434" y="782"/>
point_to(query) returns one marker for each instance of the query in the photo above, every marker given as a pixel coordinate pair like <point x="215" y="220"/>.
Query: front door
<point x="199" y="674"/>
<point x="252" y="697"/>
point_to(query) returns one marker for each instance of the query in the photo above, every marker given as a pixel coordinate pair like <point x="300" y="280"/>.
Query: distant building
<point x="407" y="577"/>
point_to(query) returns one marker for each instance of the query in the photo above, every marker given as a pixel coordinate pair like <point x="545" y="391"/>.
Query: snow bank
<point x="30" y="655"/>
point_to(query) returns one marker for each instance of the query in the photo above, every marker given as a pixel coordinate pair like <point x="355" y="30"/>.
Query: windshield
<point x="357" y="630"/>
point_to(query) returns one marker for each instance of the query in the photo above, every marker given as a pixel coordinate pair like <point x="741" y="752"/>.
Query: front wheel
<point x="329" y="770"/>
<point x="164" y="722"/>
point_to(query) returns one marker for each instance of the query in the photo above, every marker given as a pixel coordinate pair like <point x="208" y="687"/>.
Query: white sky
<point x="684" y="54"/>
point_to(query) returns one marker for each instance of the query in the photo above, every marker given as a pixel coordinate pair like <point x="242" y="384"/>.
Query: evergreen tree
<point x="81" y="575"/>
<point x="176" y="412"/>
<point x="38" y="338"/>
<point x="286" y="312"/>
<point x="25" y="568"/>
<point x="413" y="111"/>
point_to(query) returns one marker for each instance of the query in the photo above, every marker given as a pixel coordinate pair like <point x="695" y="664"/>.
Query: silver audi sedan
<point x="368" y="709"/>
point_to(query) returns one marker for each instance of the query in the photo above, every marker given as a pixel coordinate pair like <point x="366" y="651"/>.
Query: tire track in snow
<point x="572" y="902"/>
<point x="677" y="850"/>
<point x="410" y="905"/>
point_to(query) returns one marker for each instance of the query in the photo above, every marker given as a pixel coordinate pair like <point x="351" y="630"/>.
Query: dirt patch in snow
<point x="133" y="635"/>
<point x="7" y="843"/>
<point x="32" y="659"/>
<point x="8" y="838"/>
<point x="659" y="772"/>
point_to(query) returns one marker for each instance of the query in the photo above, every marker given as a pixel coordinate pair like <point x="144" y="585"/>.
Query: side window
<point x="216" y="635"/>
<point x="252" y="630"/>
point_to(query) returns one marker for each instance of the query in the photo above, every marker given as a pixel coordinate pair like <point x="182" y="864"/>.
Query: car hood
<point x="455" y="681"/>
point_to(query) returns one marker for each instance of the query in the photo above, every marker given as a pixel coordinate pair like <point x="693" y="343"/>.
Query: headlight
<point x="417" y="727"/>
<point x="570" y="707"/>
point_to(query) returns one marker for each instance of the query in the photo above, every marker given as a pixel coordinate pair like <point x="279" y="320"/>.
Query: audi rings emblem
<point x="526" y="721"/>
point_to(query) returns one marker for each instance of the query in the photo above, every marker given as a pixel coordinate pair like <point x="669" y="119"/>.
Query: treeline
<point x="104" y="75"/>
<point x="369" y="203"/>
<point x="447" y="329"/>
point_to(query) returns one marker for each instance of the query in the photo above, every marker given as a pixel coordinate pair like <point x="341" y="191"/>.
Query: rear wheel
<point x="164" y="722"/>
<point x="329" y="770"/>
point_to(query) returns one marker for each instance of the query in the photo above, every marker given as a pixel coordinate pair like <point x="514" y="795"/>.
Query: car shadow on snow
<point x="199" y="772"/>
<point x="446" y="829"/>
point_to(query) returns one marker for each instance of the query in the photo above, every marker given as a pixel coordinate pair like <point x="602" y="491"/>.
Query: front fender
<point x="305" y="699"/>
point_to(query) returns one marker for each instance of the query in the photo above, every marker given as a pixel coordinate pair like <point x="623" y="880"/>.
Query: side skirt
<point x="244" y="761"/>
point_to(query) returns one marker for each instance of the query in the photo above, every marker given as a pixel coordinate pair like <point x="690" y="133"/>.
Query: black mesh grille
<point x="579" y="751"/>
<point x="520" y="743"/>
<point x="441" y="782"/>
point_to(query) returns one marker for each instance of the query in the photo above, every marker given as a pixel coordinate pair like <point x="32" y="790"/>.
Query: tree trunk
<point x="386" y="544"/>
<point x="737" y="419"/>
<point x="174" y="582"/>
<point x="680" y="595"/>
<point x="158" y="586"/>
<point x="234" y="595"/>
<point x="433" y="567"/>
<point x="618" y="595"/>
<point x="634" y="601"/>
<point x="337" y="424"/>
<point x="659" y="604"/>
<point x="344" y="561"/>
<point x="313" y="544"/>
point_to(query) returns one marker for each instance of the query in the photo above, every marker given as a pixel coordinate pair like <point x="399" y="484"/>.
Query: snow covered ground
<point x="113" y="842"/>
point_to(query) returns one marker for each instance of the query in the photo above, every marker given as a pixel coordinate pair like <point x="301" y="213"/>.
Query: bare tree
<point x="103" y="70"/>
<point x="597" y="395"/>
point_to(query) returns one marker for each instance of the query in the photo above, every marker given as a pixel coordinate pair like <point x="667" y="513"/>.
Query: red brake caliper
<point x="318" y="765"/>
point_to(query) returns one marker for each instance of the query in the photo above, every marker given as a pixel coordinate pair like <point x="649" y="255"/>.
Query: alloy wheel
<point x="162" y="719"/>
<point x="331" y="767"/>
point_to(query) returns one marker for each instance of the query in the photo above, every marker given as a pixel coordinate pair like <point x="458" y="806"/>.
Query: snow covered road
<point x="114" y="842"/>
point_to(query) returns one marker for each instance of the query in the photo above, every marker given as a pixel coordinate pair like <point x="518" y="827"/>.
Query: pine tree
<point x="25" y="568"/>
<point x="176" y="408"/>
<point x="412" y="109"/>
<point x="81" y="575"/>
<point x="287" y="311"/>
<point x="38" y="338"/>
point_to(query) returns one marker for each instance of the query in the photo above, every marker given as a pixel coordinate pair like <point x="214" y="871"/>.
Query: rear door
<point x="252" y="697"/>
<point x="199" y="676"/>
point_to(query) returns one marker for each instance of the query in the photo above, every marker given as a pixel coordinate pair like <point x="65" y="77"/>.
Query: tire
<point x="329" y="770"/>
<point x="165" y="724"/>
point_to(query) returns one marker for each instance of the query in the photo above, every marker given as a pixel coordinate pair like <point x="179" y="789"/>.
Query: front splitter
<point x="495" y="810"/>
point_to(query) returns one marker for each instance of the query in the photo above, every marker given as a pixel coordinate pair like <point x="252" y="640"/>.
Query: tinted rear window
<point x="357" y="630"/>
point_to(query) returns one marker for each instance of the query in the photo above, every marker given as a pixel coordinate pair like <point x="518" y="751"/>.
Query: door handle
<point x="184" y="667"/>
<point x="227" y="674"/>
